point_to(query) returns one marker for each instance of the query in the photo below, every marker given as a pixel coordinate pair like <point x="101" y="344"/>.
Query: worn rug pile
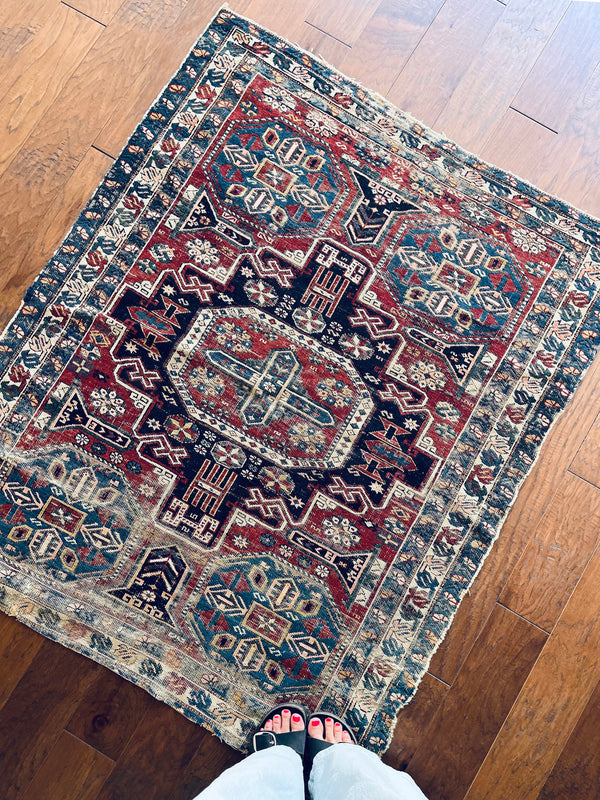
<point x="264" y="411"/>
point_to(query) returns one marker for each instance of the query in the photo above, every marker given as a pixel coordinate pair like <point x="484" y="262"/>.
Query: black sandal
<point x="294" y="739"/>
<point x="315" y="746"/>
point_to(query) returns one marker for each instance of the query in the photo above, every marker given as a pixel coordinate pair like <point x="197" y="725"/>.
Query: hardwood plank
<point x="71" y="771"/>
<point x="109" y="713"/>
<point x="322" y="45"/>
<point x="152" y="764"/>
<point x="577" y="771"/>
<point x="579" y="181"/>
<point x="211" y="758"/>
<point x="344" y="21"/>
<point x="16" y="26"/>
<point x="552" y="87"/>
<point x="524" y="147"/>
<point x="414" y="722"/>
<point x="559" y="447"/>
<point x="547" y="572"/>
<point x="36" y="711"/>
<point x="566" y="164"/>
<point x="550" y="703"/>
<point x="436" y="66"/>
<point x="284" y="17"/>
<point x="387" y="41"/>
<point x="180" y="32"/>
<point x="63" y="135"/>
<point x="503" y="61"/>
<point x="30" y="83"/>
<point x="586" y="463"/>
<point x="38" y="218"/>
<point x="18" y="647"/>
<point x="477" y="704"/>
<point x="101" y="10"/>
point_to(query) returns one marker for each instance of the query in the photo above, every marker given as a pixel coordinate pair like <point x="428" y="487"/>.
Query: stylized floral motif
<point x="107" y="402"/>
<point x="426" y="375"/>
<point x="260" y="293"/>
<point x="276" y="480"/>
<point x="355" y="346"/>
<point x="207" y="381"/>
<point x="203" y="252"/>
<point x="334" y="392"/>
<point x="340" y="531"/>
<point x="528" y="240"/>
<point x="233" y="337"/>
<point x="279" y="99"/>
<point x="307" y="438"/>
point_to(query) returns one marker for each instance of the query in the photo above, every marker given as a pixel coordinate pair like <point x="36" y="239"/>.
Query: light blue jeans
<point x="341" y="772"/>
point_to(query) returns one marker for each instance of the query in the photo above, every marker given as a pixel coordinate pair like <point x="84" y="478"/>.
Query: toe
<point x="346" y="737"/>
<point x="297" y="722"/>
<point x="315" y="728"/>
<point x="268" y="726"/>
<point x="276" y="723"/>
<point x="285" y="720"/>
<point x="337" y="732"/>
<point x="329" y="736"/>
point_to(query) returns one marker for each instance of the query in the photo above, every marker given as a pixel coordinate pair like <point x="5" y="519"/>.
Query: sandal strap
<point x="263" y="739"/>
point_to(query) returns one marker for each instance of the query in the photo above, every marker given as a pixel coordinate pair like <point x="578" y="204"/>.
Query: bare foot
<point x="284" y="722"/>
<point x="333" y="732"/>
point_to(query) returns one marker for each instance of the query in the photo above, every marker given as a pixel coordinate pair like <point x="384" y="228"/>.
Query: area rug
<point x="264" y="411"/>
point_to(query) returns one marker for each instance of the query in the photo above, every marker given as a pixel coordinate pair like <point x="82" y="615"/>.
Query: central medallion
<point x="270" y="388"/>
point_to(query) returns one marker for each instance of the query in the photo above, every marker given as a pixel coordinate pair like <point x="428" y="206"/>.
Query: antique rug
<point x="264" y="411"/>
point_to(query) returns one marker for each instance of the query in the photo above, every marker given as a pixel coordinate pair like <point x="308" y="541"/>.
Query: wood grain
<point x="65" y="132"/>
<point x="579" y="182"/>
<point x="552" y="87"/>
<point x="287" y="17"/>
<point x="344" y="22"/>
<point x="526" y="148"/>
<point x="34" y="715"/>
<point x="550" y="703"/>
<point x="39" y="218"/>
<point x="555" y="557"/>
<point x="72" y="771"/>
<point x="564" y="164"/>
<point x="414" y="722"/>
<point x="153" y="763"/>
<point x="109" y="713"/>
<point x="101" y="10"/>
<point x="327" y="48"/>
<point x="210" y="759"/>
<point x="475" y="707"/>
<point x="502" y="63"/>
<point x="30" y="83"/>
<point x="586" y="463"/>
<point x="577" y="771"/>
<point x="18" y="647"/>
<point x="435" y="67"/>
<point x="387" y="41"/>
<point x="458" y="65"/>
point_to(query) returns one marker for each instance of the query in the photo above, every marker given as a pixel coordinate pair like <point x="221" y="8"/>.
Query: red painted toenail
<point x="296" y="717"/>
<point x="314" y="722"/>
<point x="338" y="724"/>
<point x="286" y="711"/>
<point x="328" y="719"/>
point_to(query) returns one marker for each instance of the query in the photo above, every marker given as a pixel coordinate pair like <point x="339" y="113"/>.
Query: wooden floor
<point x="511" y="705"/>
